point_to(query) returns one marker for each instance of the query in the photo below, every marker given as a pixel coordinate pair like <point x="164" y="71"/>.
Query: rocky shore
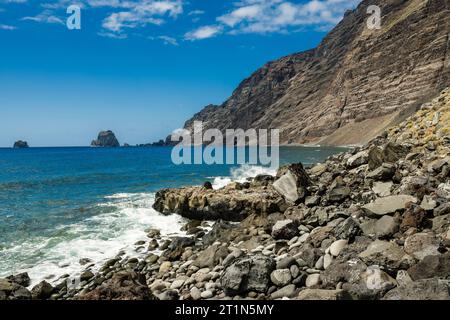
<point x="372" y="223"/>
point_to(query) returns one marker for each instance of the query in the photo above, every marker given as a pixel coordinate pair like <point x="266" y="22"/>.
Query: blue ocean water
<point x="58" y="205"/>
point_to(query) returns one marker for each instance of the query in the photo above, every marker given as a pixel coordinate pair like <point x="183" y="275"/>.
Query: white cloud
<point x="45" y="16"/>
<point x="112" y="35"/>
<point x="7" y="27"/>
<point x="139" y="14"/>
<point x="265" y="16"/>
<point x="13" y="1"/>
<point x="169" y="40"/>
<point x="196" y="13"/>
<point x="204" y="32"/>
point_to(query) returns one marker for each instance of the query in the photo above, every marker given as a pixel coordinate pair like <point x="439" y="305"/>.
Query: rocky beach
<point x="370" y="223"/>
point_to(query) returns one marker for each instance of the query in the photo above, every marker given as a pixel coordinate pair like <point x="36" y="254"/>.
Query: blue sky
<point x="140" y="68"/>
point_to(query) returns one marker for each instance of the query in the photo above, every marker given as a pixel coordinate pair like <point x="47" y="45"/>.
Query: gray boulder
<point x="42" y="290"/>
<point x="431" y="266"/>
<point x="248" y="273"/>
<point x="387" y="205"/>
<point x="426" y="289"/>
<point x="292" y="182"/>
<point x="285" y="229"/>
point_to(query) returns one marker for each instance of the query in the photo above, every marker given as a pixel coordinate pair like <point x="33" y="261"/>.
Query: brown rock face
<point x="231" y="203"/>
<point x="353" y="85"/>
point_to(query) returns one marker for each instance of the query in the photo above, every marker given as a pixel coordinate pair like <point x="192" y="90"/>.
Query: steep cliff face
<point x="353" y="85"/>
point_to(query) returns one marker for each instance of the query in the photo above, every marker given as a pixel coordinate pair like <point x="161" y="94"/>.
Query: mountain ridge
<point x="353" y="85"/>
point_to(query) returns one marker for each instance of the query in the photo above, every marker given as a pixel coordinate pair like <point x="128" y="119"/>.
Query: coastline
<point x="369" y="223"/>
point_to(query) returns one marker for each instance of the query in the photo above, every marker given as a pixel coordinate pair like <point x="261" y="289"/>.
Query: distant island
<point x="105" y="139"/>
<point x="20" y="144"/>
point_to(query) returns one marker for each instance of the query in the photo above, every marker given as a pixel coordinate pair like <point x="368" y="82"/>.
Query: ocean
<point x="59" y="205"/>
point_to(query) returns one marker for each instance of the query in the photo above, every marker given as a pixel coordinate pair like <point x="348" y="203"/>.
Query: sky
<point x="140" y="68"/>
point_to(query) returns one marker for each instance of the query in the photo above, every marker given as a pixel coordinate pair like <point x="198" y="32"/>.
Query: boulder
<point x="388" y="205"/>
<point x="382" y="189"/>
<point x="393" y="152"/>
<point x="176" y="247"/>
<point x="349" y="229"/>
<point x="431" y="266"/>
<point x="227" y="204"/>
<point x="422" y="244"/>
<point x="42" y="290"/>
<point x="375" y="158"/>
<point x="318" y="169"/>
<point x="288" y="291"/>
<point x="321" y="294"/>
<point x="358" y="159"/>
<point x="337" y="246"/>
<point x="385" y="172"/>
<point x="378" y="280"/>
<point x="211" y="256"/>
<point x="412" y="217"/>
<point x="339" y="193"/>
<point x="247" y="273"/>
<point x="292" y="182"/>
<point x="22" y="279"/>
<point x="86" y="275"/>
<point x="285" y="229"/>
<point x="123" y="285"/>
<point x="384" y="227"/>
<point x="105" y="139"/>
<point x="281" y="277"/>
<point x="426" y="289"/>
<point x="428" y="203"/>
<point x="313" y="280"/>
<point x="384" y="253"/>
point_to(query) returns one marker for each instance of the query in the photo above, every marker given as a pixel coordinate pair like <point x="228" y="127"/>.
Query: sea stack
<point x="105" y="139"/>
<point x="20" y="144"/>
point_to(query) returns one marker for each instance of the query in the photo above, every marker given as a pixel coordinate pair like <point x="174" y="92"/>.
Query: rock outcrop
<point x="353" y="85"/>
<point x="233" y="203"/>
<point x="20" y="144"/>
<point x="106" y="139"/>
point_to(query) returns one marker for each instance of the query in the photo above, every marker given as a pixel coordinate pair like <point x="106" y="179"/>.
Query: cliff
<point x="353" y="85"/>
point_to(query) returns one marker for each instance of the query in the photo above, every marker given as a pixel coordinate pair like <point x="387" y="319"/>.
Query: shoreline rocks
<point x="346" y="233"/>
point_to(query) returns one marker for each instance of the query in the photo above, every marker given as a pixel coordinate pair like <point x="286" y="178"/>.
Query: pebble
<point x="319" y="264"/>
<point x="327" y="259"/>
<point x="281" y="277"/>
<point x="337" y="247"/>
<point x="313" y="280"/>
<point x="292" y="241"/>
<point x="285" y="292"/>
<point x="177" y="284"/>
<point x="285" y="263"/>
<point x="206" y="294"/>
<point x="295" y="271"/>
